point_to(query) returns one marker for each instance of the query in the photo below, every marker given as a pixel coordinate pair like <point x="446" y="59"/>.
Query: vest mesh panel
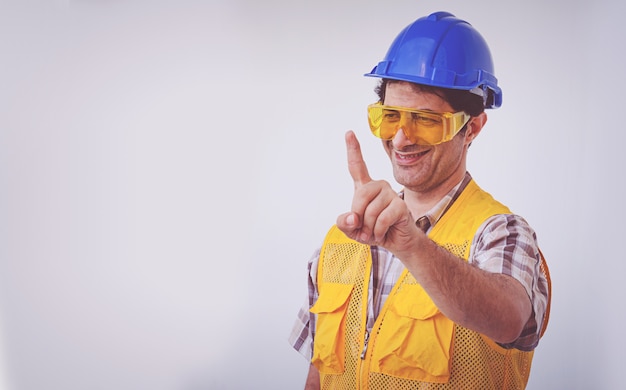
<point x="482" y="375"/>
<point x="339" y="268"/>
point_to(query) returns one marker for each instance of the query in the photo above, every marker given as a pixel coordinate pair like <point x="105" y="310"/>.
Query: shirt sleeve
<point x="303" y="331"/>
<point x="506" y="244"/>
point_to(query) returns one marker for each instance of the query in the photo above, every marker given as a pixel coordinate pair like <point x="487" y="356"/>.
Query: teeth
<point x="408" y="156"/>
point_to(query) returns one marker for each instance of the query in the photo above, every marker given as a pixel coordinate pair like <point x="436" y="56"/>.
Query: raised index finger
<point x="356" y="165"/>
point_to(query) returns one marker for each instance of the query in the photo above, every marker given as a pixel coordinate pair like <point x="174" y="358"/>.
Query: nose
<point x="400" y="140"/>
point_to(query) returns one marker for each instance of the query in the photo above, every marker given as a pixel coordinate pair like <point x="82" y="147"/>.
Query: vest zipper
<point x="367" y="337"/>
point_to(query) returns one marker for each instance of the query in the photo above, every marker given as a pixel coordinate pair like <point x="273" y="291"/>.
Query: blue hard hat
<point x="441" y="50"/>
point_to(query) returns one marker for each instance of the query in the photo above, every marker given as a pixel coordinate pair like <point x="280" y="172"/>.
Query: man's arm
<point x="312" y="379"/>
<point x="495" y="305"/>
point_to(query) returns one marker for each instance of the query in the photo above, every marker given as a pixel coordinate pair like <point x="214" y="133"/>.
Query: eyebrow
<point x="396" y="108"/>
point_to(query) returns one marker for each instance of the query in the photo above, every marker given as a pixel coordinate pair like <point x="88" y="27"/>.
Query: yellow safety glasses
<point x="419" y="126"/>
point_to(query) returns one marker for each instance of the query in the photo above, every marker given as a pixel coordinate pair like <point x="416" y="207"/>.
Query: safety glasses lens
<point x="421" y="127"/>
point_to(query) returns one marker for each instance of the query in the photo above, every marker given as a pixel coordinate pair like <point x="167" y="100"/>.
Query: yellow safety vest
<point x="412" y="345"/>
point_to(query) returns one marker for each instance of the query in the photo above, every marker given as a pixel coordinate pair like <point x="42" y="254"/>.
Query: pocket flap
<point x="413" y="302"/>
<point x="333" y="296"/>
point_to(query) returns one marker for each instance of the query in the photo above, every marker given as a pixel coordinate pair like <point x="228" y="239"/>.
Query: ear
<point x="474" y="126"/>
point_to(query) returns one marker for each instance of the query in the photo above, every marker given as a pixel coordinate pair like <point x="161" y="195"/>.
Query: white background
<point x="167" y="168"/>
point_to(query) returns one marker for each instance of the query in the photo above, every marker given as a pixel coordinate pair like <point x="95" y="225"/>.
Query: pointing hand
<point x="378" y="216"/>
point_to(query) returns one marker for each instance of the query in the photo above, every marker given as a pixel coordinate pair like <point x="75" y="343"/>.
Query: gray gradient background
<point x="167" y="168"/>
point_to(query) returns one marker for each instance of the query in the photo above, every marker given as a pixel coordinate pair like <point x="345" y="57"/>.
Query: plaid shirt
<point x="504" y="244"/>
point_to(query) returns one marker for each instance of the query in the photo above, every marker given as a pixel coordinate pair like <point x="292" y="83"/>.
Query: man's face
<point x="424" y="168"/>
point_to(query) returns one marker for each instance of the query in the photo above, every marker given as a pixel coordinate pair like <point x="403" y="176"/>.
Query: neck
<point x="421" y="202"/>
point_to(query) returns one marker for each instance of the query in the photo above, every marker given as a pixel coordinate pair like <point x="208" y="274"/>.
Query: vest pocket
<point x="415" y="338"/>
<point x="330" y="332"/>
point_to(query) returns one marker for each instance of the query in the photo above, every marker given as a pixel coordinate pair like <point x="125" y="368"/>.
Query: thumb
<point x="348" y="223"/>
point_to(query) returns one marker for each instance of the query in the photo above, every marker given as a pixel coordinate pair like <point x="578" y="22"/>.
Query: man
<point x="440" y="286"/>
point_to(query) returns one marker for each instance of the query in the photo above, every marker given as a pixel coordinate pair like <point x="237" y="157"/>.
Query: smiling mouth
<point x="406" y="158"/>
